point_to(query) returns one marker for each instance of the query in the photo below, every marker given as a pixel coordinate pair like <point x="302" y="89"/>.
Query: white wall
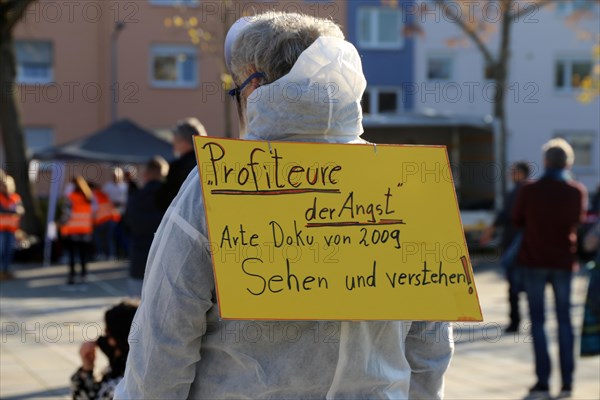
<point x="536" y="110"/>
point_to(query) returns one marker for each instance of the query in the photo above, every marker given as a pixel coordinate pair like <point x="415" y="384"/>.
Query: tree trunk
<point x="227" y="118"/>
<point x="16" y="163"/>
<point x="501" y="77"/>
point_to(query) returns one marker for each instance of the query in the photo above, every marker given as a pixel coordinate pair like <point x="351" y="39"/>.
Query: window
<point x="173" y="3"/>
<point x="174" y="66"/>
<point x="382" y="101"/>
<point x="380" y="28"/>
<point x="566" y="7"/>
<point x="439" y="68"/>
<point x="366" y="102"/>
<point x="583" y="147"/>
<point x="571" y="71"/>
<point x="34" y="61"/>
<point x="387" y="102"/>
<point x="38" y="138"/>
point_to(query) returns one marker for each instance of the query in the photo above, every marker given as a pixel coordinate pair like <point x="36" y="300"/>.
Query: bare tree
<point x="497" y="64"/>
<point x="16" y="165"/>
<point x="210" y="38"/>
<point x="478" y="31"/>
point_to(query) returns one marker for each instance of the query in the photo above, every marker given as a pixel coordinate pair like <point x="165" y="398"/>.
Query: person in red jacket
<point x="77" y="225"/>
<point x="11" y="210"/>
<point x="548" y="212"/>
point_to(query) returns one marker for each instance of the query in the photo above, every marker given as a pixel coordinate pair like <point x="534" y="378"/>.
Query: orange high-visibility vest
<point x="9" y="222"/>
<point x="104" y="213"/>
<point x="80" y="221"/>
<point x="116" y="215"/>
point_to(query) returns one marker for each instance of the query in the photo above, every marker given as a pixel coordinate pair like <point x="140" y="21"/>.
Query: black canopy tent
<point x="121" y="142"/>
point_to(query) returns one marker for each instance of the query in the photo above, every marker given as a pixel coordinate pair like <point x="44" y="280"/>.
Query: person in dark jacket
<point x="183" y="145"/>
<point x="548" y="212"/>
<point x="519" y="173"/>
<point x="142" y="220"/>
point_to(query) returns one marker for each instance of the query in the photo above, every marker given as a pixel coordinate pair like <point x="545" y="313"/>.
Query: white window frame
<point x="374" y="92"/>
<point x="373" y="15"/>
<point x="174" y="50"/>
<point x="21" y="78"/>
<point x="439" y="56"/>
<point x="175" y="3"/>
<point x="568" y="59"/>
<point x="568" y="135"/>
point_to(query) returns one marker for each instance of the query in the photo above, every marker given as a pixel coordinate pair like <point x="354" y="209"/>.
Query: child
<point x="114" y="345"/>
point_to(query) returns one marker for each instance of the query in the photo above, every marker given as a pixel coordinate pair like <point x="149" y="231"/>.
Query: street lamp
<point x="119" y="26"/>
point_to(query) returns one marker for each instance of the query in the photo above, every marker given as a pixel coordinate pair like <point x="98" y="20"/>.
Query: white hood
<point x="318" y="100"/>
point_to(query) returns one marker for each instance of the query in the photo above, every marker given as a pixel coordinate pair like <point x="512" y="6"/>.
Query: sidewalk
<point x="42" y="327"/>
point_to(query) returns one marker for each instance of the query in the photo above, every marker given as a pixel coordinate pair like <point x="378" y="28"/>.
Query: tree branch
<point x="13" y="12"/>
<point x="489" y="58"/>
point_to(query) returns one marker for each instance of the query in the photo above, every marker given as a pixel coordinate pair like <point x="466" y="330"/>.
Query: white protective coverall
<point x="179" y="347"/>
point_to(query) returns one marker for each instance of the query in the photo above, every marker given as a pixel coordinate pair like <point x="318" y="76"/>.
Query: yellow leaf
<point x="178" y="21"/>
<point x="585" y="97"/>
<point x="586" y="83"/>
<point x="226" y="81"/>
<point x="193" y="21"/>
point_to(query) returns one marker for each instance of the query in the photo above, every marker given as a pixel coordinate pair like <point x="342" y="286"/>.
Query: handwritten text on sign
<point x="336" y="232"/>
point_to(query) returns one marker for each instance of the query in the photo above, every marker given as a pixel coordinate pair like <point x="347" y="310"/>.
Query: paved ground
<point x="42" y="327"/>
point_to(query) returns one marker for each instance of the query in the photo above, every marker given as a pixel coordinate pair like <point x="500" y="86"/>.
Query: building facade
<point x="551" y="54"/>
<point x="83" y="64"/>
<point x="378" y="32"/>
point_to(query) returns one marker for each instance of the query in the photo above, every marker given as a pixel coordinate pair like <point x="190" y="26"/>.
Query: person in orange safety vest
<point x="11" y="210"/>
<point x="77" y="227"/>
<point x="104" y="225"/>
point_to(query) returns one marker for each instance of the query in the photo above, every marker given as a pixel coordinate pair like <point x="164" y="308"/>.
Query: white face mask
<point x="319" y="97"/>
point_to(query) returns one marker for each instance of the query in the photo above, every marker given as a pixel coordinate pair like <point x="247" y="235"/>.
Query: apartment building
<point x="83" y="64"/>
<point x="551" y="54"/>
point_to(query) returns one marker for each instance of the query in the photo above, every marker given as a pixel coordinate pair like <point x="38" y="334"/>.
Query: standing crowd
<point x="137" y="212"/>
<point x="118" y="220"/>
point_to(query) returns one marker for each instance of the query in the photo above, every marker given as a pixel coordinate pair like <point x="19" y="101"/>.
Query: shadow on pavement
<point x="63" y="392"/>
<point x="29" y="313"/>
<point x="104" y="279"/>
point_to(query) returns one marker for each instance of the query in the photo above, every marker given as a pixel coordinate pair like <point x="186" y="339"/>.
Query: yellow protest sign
<point x="305" y="231"/>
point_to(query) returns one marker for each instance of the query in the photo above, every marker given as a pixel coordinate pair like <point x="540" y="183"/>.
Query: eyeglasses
<point x="235" y="92"/>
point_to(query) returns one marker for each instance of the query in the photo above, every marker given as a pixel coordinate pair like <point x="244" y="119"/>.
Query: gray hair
<point x="187" y="128"/>
<point x="558" y="154"/>
<point x="273" y="41"/>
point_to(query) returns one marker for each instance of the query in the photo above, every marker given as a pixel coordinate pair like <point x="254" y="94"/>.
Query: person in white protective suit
<point x="298" y="80"/>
